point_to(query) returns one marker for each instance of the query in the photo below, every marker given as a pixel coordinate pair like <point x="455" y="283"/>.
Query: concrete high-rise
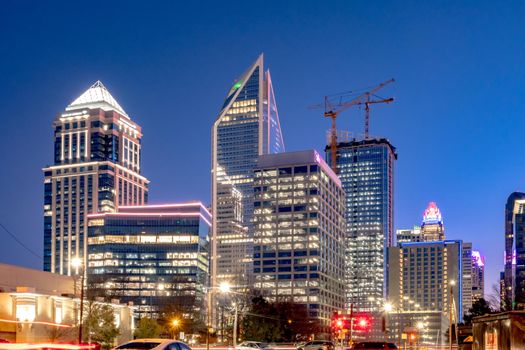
<point x="420" y="278"/>
<point x="299" y="229"/>
<point x="514" y="282"/>
<point x="423" y="269"/>
<point x="366" y="170"/>
<point x="247" y="126"/>
<point x="96" y="169"/>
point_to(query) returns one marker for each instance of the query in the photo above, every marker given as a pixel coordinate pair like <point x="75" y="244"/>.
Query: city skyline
<point x="445" y="111"/>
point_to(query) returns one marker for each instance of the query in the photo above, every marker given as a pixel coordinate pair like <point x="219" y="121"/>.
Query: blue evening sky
<point x="457" y="122"/>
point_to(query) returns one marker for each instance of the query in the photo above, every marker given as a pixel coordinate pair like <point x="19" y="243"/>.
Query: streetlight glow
<point x="420" y="325"/>
<point x="225" y="287"/>
<point x="452" y="282"/>
<point x="175" y="322"/>
<point x="388" y="307"/>
<point x="76" y="262"/>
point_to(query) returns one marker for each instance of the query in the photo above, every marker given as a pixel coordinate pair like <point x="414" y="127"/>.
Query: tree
<point x="479" y="308"/>
<point x="99" y="324"/>
<point x="283" y="321"/>
<point x="147" y="328"/>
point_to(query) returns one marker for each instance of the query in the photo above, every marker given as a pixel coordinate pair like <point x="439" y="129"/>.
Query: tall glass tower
<point x="513" y="293"/>
<point x="366" y="170"/>
<point x="96" y="168"/>
<point x="247" y="126"/>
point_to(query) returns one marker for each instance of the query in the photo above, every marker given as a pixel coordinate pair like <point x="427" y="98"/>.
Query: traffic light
<point x="362" y="322"/>
<point x="340" y="322"/>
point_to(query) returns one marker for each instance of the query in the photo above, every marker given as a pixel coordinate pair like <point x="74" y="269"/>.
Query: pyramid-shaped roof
<point x="97" y="96"/>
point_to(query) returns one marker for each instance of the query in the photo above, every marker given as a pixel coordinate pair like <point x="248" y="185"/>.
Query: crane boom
<point x="332" y="110"/>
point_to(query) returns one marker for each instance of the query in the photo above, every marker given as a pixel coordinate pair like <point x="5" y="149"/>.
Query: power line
<point x="20" y="242"/>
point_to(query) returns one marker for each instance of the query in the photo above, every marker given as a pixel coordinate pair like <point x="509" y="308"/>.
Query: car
<point x="374" y="345"/>
<point x="153" y="344"/>
<point x="317" y="345"/>
<point x="252" y="345"/>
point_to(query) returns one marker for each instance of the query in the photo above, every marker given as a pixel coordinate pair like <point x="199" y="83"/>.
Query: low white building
<point x="37" y="306"/>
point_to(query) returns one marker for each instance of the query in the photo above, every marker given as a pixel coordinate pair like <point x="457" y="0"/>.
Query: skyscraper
<point x="421" y="277"/>
<point x="478" y="276"/>
<point x="96" y="168"/>
<point x="247" y="126"/>
<point x="299" y="230"/>
<point x="366" y="170"/>
<point x="514" y="282"/>
<point x="432" y="227"/>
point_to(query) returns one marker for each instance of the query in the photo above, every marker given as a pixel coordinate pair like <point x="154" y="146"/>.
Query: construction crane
<point x="332" y="110"/>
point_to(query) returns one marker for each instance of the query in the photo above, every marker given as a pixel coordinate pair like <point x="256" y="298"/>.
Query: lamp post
<point x="387" y="308"/>
<point x="420" y="327"/>
<point x="452" y="283"/>
<point x="175" y="324"/>
<point x="78" y="265"/>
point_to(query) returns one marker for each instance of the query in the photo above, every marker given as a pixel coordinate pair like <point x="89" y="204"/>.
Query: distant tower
<point x="514" y="281"/>
<point x="247" y="126"/>
<point x="432" y="227"/>
<point x="478" y="276"/>
<point x="96" y="168"/>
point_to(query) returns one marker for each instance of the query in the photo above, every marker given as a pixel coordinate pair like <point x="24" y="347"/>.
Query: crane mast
<point x="332" y="110"/>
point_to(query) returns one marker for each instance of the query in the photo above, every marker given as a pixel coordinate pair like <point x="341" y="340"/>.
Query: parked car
<point x="374" y="345"/>
<point x="154" y="344"/>
<point x="317" y="345"/>
<point x="252" y="345"/>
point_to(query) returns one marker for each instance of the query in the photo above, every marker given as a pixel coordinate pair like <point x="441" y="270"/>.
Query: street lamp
<point x="452" y="283"/>
<point x="175" y="324"/>
<point x="78" y="265"/>
<point x="387" y="308"/>
<point x="420" y="327"/>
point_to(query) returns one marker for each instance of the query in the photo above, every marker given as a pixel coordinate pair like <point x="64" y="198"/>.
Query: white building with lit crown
<point x="96" y="168"/>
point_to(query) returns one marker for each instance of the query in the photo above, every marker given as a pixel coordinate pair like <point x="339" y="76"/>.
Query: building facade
<point x="43" y="307"/>
<point x="96" y="169"/>
<point x="514" y="273"/>
<point x="299" y="231"/>
<point x="409" y="235"/>
<point x="426" y="279"/>
<point x="366" y="170"/>
<point x="247" y="126"/>
<point x="155" y="256"/>
<point x="478" y="276"/>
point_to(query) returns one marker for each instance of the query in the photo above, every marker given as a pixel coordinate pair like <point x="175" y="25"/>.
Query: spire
<point x="97" y="96"/>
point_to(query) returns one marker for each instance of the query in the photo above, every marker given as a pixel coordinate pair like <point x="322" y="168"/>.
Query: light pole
<point x="387" y="308"/>
<point x="420" y="327"/>
<point x="175" y="324"/>
<point x="77" y="264"/>
<point x="452" y="283"/>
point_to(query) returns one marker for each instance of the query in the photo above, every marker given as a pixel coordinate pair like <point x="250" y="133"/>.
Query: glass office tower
<point x="96" y="169"/>
<point x="366" y="170"/>
<point x="247" y="126"/>
<point x="155" y="256"/>
<point x="299" y="232"/>
<point x="514" y="274"/>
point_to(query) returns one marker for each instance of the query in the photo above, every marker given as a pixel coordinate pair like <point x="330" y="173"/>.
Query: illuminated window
<point x="58" y="314"/>
<point x="25" y="312"/>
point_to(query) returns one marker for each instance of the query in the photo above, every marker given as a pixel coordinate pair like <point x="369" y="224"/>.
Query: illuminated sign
<point x="478" y="259"/>
<point x="432" y="215"/>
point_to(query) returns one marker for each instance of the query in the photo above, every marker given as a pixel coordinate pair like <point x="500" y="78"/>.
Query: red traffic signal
<point x="340" y="322"/>
<point x="362" y="322"/>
